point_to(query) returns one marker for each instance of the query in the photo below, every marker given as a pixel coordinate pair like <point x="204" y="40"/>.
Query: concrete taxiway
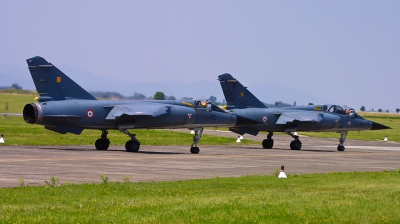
<point x="79" y="164"/>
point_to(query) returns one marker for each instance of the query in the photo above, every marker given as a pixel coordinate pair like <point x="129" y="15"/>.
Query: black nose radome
<point x="377" y="126"/>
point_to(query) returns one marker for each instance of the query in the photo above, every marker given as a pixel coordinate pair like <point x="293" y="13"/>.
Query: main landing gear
<point x="342" y="139"/>
<point x="196" y="138"/>
<point x="132" y="145"/>
<point x="296" y="144"/>
<point x="103" y="142"/>
<point x="268" y="143"/>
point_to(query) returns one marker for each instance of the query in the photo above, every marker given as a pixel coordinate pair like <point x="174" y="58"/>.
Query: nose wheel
<point x="132" y="145"/>
<point x="342" y="139"/>
<point x="196" y="138"/>
<point x="296" y="143"/>
<point x="194" y="150"/>
<point x="103" y="142"/>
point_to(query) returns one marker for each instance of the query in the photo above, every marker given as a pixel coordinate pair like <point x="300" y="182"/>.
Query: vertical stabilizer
<point x="53" y="84"/>
<point x="236" y="95"/>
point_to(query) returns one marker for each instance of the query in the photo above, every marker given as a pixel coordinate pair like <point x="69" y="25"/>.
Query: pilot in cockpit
<point x="350" y="112"/>
<point x="203" y="104"/>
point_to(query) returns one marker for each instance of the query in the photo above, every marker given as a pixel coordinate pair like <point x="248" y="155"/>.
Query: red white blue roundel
<point x="265" y="119"/>
<point x="89" y="114"/>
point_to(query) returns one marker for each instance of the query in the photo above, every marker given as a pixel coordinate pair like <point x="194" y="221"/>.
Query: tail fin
<point x="53" y="84"/>
<point x="236" y="95"/>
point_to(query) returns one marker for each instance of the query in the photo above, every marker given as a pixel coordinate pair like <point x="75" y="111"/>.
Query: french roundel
<point x="265" y="119"/>
<point x="89" y="113"/>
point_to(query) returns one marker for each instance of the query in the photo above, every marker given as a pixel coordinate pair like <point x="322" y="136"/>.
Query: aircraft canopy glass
<point x="207" y="105"/>
<point x="343" y="110"/>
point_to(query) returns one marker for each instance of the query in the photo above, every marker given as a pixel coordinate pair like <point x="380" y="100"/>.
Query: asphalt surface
<point x="80" y="164"/>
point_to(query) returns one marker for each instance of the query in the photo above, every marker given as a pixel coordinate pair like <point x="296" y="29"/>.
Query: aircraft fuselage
<point x="271" y="120"/>
<point x="94" y="114"/>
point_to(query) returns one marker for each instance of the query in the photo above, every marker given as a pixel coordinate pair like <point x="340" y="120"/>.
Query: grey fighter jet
<point x="65" y="107"/>
<point x="321" y="118"/>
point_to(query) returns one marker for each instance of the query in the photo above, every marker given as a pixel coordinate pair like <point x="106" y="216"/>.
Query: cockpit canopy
<point x="207" y="105"/>
<point x="337" y="109"/>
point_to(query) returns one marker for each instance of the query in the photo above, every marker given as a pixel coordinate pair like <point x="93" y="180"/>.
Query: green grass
<point x="314" y="198"/>
<point x="16" y="100"/>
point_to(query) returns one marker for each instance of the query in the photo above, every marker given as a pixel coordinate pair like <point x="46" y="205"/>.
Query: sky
<point x="347" y="52"/>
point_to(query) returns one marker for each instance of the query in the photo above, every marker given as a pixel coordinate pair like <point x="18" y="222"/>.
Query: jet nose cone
<point x="377" y="126"/>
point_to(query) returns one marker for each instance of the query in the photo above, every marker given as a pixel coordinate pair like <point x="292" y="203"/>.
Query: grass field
<point x="315" y="198"/>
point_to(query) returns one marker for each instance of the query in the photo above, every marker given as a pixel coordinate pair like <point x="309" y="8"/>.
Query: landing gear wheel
<point x="268" y="143"/>
<point x="295" y="145"/>
<point x="132" y="146"/>
<point x="342" y="139"/>
<point x="102" y="144"/>
<point x="194" y="150"/>
<point x="196" y="138"/>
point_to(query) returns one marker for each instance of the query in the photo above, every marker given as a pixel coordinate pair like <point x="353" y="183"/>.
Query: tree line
<point x="13" y="86"/>
<point x="139" y="96"/>
<point x="379" y="110"/>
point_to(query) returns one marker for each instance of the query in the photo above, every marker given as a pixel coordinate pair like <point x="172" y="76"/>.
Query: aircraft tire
<point x="132" y="146"/>
<point x="295" y="145"/>
<point x="268" y="143"/>
<point x="194" y="150"/>
<point x="102" y="144"/>
<point x="341" y="148"/>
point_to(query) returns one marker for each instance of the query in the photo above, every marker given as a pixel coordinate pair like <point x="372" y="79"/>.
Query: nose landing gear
<point x="342" y="139"/>
<point x="296" y="144"/>
<point x="196" y="138"/>
<point x="132" y="145"/>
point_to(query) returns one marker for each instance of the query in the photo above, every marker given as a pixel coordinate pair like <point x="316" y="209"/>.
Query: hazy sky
<point x="344" y="51"/>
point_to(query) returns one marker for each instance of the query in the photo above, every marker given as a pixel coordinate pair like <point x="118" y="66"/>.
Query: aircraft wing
<point x="148" y="109"/>
<point x="301" y="116"/>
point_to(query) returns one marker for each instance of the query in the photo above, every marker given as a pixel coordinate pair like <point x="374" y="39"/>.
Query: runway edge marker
<point x="282" y="173"/>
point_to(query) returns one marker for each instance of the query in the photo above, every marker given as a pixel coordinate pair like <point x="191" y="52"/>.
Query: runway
<point x="80" y="164"/>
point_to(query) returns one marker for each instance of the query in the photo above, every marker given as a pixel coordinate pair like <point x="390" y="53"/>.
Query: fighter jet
<point x="321" y="118"/>
<point x="65" y="107"/>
